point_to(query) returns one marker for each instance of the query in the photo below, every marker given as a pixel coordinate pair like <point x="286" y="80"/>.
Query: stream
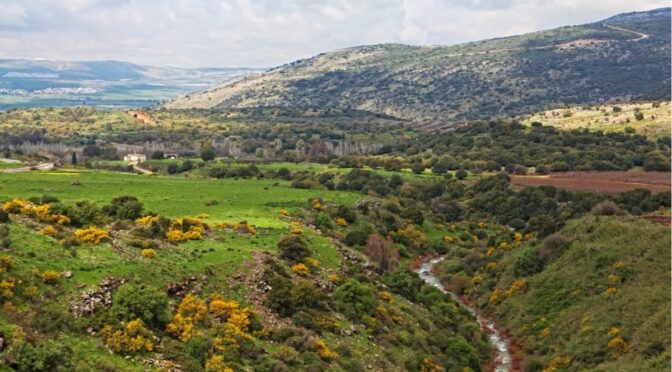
<point x="502" y="361"/>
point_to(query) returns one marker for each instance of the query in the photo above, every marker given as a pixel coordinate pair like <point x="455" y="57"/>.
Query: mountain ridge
<point x="445" y="85"/>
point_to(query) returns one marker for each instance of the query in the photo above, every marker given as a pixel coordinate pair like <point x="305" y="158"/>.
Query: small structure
<point x="135" y="158"/>
<point x="170" y="156"/>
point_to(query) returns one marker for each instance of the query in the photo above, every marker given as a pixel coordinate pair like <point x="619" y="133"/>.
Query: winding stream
<point x="499" y="342"/>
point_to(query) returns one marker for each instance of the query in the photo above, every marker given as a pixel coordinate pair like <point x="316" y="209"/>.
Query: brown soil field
<point x="604" y="182"/>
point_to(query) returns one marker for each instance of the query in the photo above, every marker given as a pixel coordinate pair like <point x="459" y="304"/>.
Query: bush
<point x="124" y="208"/>
<point x="528" y="263"/>
<point x="133" y="301"/>
<point x="355" y="299"/>
<point x="46" y="355"/>
<point x="293" y="248"/>
<point x="606" y="208"/>
<point x="553" y="246"/>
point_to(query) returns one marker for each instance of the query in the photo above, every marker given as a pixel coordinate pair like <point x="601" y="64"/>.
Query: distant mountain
<point x="33" y="82"/>
<point x="625" y="57"/>
<point x="108" y="70"/>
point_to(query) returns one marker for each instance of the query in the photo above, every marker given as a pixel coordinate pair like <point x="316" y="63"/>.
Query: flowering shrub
<point x="148" y="253"/>
<point x="317" y="204"/>
<point x="558" y="363"/>
<point x="322" y="350"/>
<point x="340" y="221"/>
<point x="133" y="337"/>
<point x="49" y="231"/>
<point x="284" y="212"/>
<point x="300" y="269"/>
<point x="185" y="229"/>
<point x="39" y="212"/>
<point x="216" y="364"/>
<point x="147" y="220"/>
<point x="516" y="286"/>
<point x="386" y="296"/>
<point x="494" y="296"/>
<point x="51" y="277"/>
<point x="93" y="235"/>
<point x="191" y="310"/>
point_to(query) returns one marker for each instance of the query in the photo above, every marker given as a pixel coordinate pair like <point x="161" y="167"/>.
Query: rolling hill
<point x="622" y="58"/>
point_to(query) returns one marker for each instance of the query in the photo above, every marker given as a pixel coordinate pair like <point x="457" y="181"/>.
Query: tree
<point x="157" y="155"/>
<point x="208" y="154"/>
<point x="417" y="168"/>
<point x="461" y="174"/>
<point x="172" y="168"/>
<point x="293" y="248"/>
<point x="73" y="159"/>
<point x="382" y="252"/>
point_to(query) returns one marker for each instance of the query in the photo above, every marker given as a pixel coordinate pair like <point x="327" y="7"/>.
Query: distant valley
<point x="101" y="84"/>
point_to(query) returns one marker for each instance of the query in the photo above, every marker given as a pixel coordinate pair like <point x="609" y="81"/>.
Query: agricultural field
<point x="651" y="119"/>
<point x="603" y="182"/>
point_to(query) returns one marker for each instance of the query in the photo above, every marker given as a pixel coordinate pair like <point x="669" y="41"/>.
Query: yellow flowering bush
<point x="51" y="277"/>
<point x="340" y="221"/>
<point x="93" y="235"/>
<point x="516" y="286"/>
<point x="284" y="212"/>
<point x="191" y="310"/>
<point x="216" y="364"/>
<point x="322" y="350"/>
<point x="494" y="296"/>
<point x="49" y="231"/>
<point x="148" y="253"/>
<point x="300" y="269"/>
<point x="133" y="337"/>
<point x="147" y="220"/>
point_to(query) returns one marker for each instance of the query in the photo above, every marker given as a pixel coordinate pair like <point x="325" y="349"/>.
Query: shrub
<point x="46" y="355"/>
<point x="91" y="235"/>
<point x="356" y="299"/>
<point x="148" y="253"/>
<point x="51" y="277"/>
<point x="133" y="337"/>
<point x="293" y="248"/>
<point x="124" y="208"/>
<point x="137" y="301"/>
<point x="553" y="246"/>
<point x="300" y="269"/>
<point x="606" y="208"/>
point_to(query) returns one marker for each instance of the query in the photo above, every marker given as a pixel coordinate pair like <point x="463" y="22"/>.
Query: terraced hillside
<point x="619" y="59"/>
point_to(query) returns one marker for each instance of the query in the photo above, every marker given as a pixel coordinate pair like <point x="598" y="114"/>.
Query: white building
<point x="135" y="158"/>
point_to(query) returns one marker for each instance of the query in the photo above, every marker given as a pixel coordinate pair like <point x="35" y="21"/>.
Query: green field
<point x="256" y="201"/>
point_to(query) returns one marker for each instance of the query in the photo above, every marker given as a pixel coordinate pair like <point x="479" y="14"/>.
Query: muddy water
<point x="502" y="361"/>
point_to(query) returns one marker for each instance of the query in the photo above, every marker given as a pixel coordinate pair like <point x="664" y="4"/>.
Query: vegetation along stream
<point x="502" y="361"/>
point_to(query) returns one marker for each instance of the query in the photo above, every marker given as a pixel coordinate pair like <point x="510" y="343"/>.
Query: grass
<point x="656" y="121"/>
<point x="256" y="201"/>
<point x="570" y="294"/>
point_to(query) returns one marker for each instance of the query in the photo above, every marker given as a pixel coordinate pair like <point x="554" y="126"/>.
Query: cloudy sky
<point x="265" y="33"/>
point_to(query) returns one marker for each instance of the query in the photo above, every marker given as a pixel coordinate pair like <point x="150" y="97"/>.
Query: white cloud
<point x="269" y="32"/>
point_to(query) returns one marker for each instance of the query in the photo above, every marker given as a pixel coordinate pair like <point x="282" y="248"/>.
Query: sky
<point x="266" y="33"/>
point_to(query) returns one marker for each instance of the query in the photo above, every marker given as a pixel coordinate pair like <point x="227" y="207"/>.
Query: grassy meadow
<point x="655" y="121"/>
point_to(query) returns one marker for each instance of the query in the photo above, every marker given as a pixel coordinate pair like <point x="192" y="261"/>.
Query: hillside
<point x="624" y="57"/>
<point x="651" y="119"/>
<point x="575" y="299"/>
